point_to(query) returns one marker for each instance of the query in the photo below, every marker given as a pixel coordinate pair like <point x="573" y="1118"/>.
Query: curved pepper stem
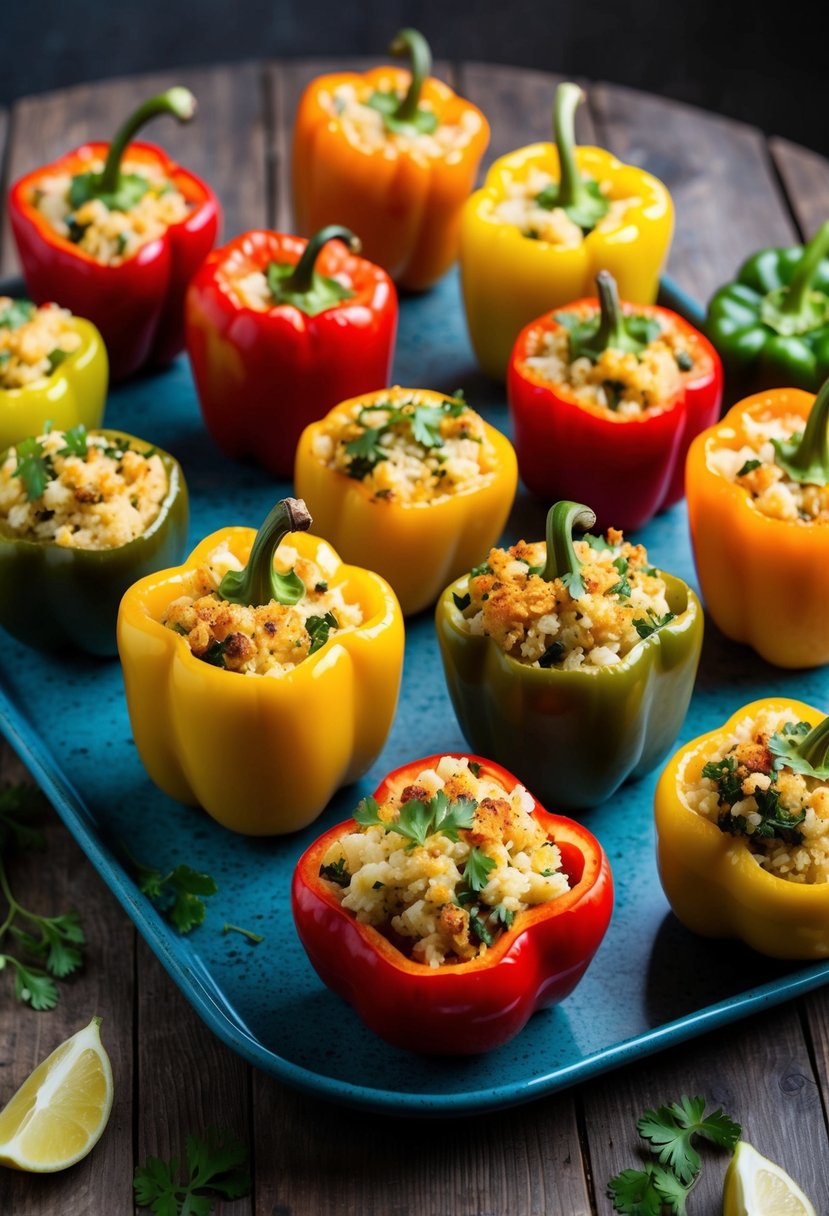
<point x="259" y="583"/>
<point x="177" y="101"/>
<point x="301" y="280"/>
<point x="562" y="561"/>
<point x="412" y="43"/>
<point x="797" y="308"/>
<point x="612" y="332"/>
<point x="806" y="457"/>
<point x="578" y="196"/>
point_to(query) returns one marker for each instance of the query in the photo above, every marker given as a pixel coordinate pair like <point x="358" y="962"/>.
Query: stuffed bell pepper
<point x="262" y="674"/>
<point x="547" y="219"/>
<point x="742" y="823"/>
<point x="279" y="330"/>
<point x="771" y="326"/>
<point x="114" y="232"/>
<point x="82" y="515"/>
<point x="572" y="662"/>
<point x="415" y="478"/>
<point x="53" y="368"/>
<point x="393" y="155"/>
<point x="758" y="508"/>
<point x="605" y="399"/>
<point x="452" y="906"/>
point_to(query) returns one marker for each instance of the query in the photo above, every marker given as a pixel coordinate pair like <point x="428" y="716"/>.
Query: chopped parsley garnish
<point x="553" y="654"/>
<point x="75" y="230"/>
<point x="417" y="820"/>
<point x="645" y="627"/>
<point x="724" y="775"/>
<point x="424" y="422"/>
<point x="613" y="390"/>
<point x="75" y="442"/>
<point x="337" y="873"/>
<point x="321" y="587"/>
<point x="319" y="628"/>
<point x="623" y="586"/>
<point x="477" y="869"/>
<point x="479" y="928"/>
<point x="504" y="916"/>
<point x="34" y="467"/>
<point x="474" y="768"/>
<point x="599" y="543"/>
<point x="749" y="467"/>
<point x="17" y="313"/>
<point x="774" y="819"/>
<point x="574" y="583"/>
<point x="214" y="655"/>
<point x="477" y="571"/>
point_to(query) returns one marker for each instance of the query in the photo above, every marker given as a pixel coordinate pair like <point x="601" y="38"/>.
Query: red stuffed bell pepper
<point x="605" y="400"/>
<point x="114" y="232"/>
<point x="279" y="330"/>
<point x="462" y="968"/>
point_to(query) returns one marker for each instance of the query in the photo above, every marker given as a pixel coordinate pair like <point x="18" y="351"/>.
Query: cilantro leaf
<point x="669" y="1130"/>
<point x="17" y="803"/>
<point x="574" y="583"/>
<point x="480" y="929"/>
<point x="17" y="313"/>
<point x="336" y="872"/>
<point x="448" y="817"/>
<point x="645" y="627"/>
<point x="319" y="628"/>
<point x="178" y="895"/>
<point x="477" y="869"/>
<point x="784" y="745"/>
<point x="75" y="442"/>
<point x="414" y="821"/>
<point x="367" y="813"/>
<point x="723" y="774"/>
<point x="34" y="467"/>
<point x="425" y="422"/>
<point x="623" y="586"/>
<point x="216" y="1166"/>
<point x="749" y="467"/>
<point x="599" y="543"/>
<point x="634" y="1192"/>
<point x="503" y="915"/>
<point x="32" y="987"/>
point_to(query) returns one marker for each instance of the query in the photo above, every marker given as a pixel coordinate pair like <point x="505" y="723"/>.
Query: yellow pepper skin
<point x="262" y="755"/>
<point x="710" y="878"/>
<point x="764" y="581"/>
<point x="418" y="547"/>
<point x="74" y="394"/>
<point x="509" y="279"/>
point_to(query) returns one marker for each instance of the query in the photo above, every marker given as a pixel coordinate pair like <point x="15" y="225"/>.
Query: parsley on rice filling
<point x="754" y="467"/>
<point x="443" y="895"/>
<point x="33" y="341"/>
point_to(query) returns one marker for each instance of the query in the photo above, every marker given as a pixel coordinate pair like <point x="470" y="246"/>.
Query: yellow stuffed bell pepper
<point x="743" y="831"/>
<point x="258" y="690"/>
<point x="548" y="218"/>
<point x="758" y="507"/>
<point x="413" y="477"/>
<point x="53" y="368"/>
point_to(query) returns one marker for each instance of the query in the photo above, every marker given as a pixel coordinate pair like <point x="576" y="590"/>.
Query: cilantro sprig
<point x="178" y="894"/>
<point x="34" y="467"/>
<point x="216" y="1165"/>
<point x="417" y="820"/>
<point x="319" y="627"/>
<point x="423" y="421"/>
<point x="645" y="626"/>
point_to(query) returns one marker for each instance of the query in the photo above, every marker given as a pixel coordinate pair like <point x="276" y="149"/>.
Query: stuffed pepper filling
<point x="33" y="341"/>
<point x="749" y="788"/>
<point x="361" y="113"/>
<point x="444" y="865"/>
<point x="267" y="639"/>
<point x="588" y="621"/>
<point x="112" y="230"/>
<point x="623" y="382"/>
<point x="410" y="449"/>
<point x="754" y="466"/>
<point x="80" y="490"/>
<point x="529" y="204"/>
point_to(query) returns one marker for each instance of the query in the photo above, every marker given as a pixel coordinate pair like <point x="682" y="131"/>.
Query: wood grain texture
<point x="758" y="1070"/>
<point x="805" y="176"/>
<point x="726" y="196"/>
<point x="327" y="1160"/>
<point x="52" y="882"/>
<point x="225" y="143"/>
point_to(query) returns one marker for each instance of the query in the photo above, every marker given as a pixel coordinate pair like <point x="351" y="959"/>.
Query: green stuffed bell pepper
<point x="83" y="514"/>
<point x="570" y="662"/>
<point x="771" y="326"/>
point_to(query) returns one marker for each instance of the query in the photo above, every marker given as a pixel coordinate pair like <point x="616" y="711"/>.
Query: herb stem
<point x="256" y="938"/>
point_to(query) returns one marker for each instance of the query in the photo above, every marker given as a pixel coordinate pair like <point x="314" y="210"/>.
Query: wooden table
<point x="735" y="191"/>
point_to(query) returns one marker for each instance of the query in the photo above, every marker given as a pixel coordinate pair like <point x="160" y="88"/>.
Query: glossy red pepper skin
<point x="465" y="1008"/>
<point x="138" y="305"/>
<point x="627" y="468"/>
<point x="263" y="376"/>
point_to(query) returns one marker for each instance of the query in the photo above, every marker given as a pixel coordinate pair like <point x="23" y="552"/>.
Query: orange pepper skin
<point x="261" y="755"/>
<point x="764" y="581"/>
<point x="711" y="879"/>
<point x="404" y="208"/>
<point x="417" y="547"/>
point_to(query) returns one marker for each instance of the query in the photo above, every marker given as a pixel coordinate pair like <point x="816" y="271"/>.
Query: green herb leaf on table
<point x="216" y="1167"/>
<point x="178" y="895"/>
<point x="669" y="1131"/>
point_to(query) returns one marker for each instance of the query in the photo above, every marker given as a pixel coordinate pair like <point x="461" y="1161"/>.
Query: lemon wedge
<point x="61" y="1110"/>
<point x="755" y="1186"/>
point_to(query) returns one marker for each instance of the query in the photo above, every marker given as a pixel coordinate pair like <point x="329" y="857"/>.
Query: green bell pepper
<point x="771" y="326"/>
<point x="572" y="737"/>
<point x="52" y="597"/>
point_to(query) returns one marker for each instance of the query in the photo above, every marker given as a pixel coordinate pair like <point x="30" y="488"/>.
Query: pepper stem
<point x="177" y="101"/>
<point x="562" y="518"/>
<point x="807" y="459"/>
<point x="797" y="292"/>
<point x="412" y="43"/>
<point x="259" y="583"/>
<point x="815" y="746"/>
<point x="301" y="279"/>
<point x="612" y="331"/>
<point x="571" y="190"/>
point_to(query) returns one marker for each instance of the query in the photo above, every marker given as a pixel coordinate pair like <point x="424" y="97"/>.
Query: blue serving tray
<point x="652" y="983"/>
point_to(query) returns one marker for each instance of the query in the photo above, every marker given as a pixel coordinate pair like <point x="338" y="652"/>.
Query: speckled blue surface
<point x="651" y="984"/>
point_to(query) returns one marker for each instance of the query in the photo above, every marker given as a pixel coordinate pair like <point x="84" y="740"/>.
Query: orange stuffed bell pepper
<point x="258" y="690"/>
<point x="392" y="155"/>
<point x="758" y="506"/>
<point x="413" y="477"/>
<point x="548" y="218"/>
<point x="742" y="836"/>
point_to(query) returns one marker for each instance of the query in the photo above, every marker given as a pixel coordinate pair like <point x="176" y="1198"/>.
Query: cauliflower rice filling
<point x="111" y="236"/>
<point x="33" y="341"/>
<point x="524" y="210"/>
<point x="81" y="490"/>
<point x="753" y="466"/>
<point x="542" y="624"/>
<point x="409" y="449"/>
<point x="444" y="895"/>
<point x="747" y="789"/>
<point x="363" y="126"/>
<point x="266" y="640"/>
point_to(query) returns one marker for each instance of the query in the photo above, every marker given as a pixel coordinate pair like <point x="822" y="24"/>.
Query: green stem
<point x="571" y="190"/>
<point x="177" y="101"/>
<point x="797" y="293"/>
<point x="258" y="582"/>
<point x="809" y="459"/>
<point x="562" y="518"/>
<point x="412" y="43"/>
<point x="815" y="746"/>
<point x="12" y="902"/>
<point x="301" y="279"/>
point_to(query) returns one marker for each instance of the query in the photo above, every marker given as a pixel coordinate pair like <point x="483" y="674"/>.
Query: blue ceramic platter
<point x="651" y="985"/>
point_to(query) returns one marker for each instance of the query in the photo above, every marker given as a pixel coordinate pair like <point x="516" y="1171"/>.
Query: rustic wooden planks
<point x="805" y="177"/>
